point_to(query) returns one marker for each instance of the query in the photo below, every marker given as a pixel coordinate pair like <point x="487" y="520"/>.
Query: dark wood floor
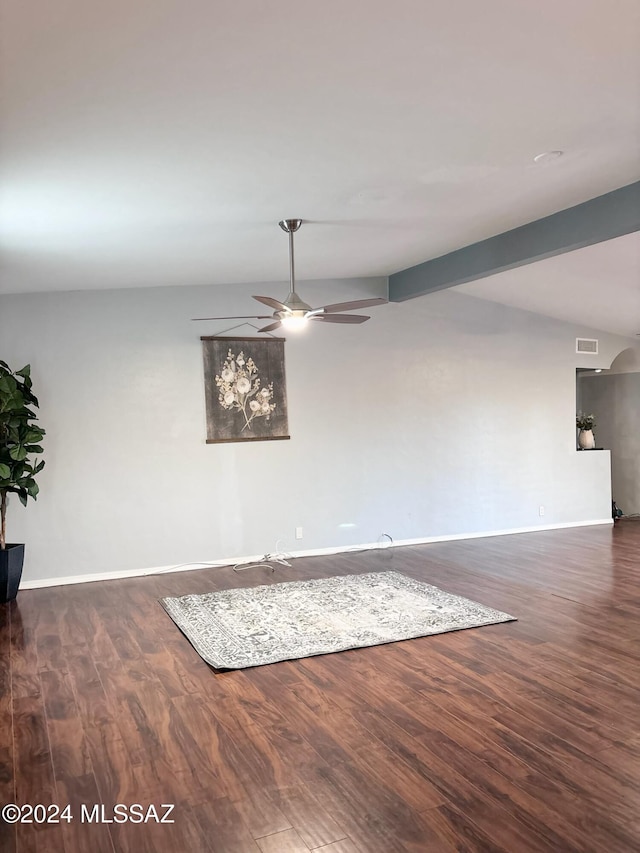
<point x="515" y="737"/>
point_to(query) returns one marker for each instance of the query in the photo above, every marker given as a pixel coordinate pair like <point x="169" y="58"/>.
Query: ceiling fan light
<point x="294" y="323"/>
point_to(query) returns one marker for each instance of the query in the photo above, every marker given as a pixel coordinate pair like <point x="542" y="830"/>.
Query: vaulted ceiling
<point x="159" y="142"/>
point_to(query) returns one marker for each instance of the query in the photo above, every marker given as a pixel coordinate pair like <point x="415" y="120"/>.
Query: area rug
<point x="238" y="628"/>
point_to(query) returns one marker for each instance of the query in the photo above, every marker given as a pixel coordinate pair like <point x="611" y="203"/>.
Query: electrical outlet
<point x="298" y="533"/>
<point x="541" y="510"/>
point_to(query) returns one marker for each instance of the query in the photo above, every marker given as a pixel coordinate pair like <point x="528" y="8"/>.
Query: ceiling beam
<point x="602" y="218"/>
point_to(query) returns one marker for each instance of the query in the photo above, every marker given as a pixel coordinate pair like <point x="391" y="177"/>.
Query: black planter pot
<point x="11" y="560"/>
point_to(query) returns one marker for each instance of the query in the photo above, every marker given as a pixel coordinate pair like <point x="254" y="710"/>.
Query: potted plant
<point x="19" y="445"/>
<point x="585" y="424"/>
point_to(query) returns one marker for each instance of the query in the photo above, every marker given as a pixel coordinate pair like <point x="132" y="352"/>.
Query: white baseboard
<point x="313" y="552"/>
<point x="507" y="532"/>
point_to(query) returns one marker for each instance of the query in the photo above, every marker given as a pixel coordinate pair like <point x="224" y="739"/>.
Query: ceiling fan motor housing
<point x="294" y="303"/>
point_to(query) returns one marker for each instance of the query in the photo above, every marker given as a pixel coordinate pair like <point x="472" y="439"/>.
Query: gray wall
<point x="446" y="415"/>
<point x="614" y="399"/>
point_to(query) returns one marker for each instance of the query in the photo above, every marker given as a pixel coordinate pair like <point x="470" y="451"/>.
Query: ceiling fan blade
<point x="252" y="317"/>
<point x="340" y="318"/>
<point x="272" y="303"/>
<point x="271" y="328"/>
<point x="350" y="306"/>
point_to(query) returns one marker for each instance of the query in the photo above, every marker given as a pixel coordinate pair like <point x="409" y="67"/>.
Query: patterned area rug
<point x="237" y="628"/>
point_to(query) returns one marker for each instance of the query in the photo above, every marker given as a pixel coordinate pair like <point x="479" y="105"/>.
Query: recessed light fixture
<point x="598" y="370"/>
<point x="547" y="156"/>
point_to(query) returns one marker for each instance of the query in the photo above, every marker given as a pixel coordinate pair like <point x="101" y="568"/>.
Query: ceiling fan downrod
<point x="293" y="301"/>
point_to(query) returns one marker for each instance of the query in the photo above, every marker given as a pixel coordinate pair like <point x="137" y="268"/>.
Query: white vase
<point x="586" y="440"/>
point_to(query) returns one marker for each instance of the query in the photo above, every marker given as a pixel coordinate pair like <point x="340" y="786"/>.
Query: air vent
<point x="587" y="345"/>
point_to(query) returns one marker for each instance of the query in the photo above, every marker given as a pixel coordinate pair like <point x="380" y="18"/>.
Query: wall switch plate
<point x="541" y="510"/>
<point x="298" y="533"/>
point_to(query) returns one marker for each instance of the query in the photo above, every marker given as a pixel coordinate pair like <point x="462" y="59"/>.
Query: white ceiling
<point x="597" y="287"/>
<point x="158" y="142"/>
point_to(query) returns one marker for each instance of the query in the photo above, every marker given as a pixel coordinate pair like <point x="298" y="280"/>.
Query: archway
<point x="613" y="396"/>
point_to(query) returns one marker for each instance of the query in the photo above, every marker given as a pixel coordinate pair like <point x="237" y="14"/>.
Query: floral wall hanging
<point x="245" y="389"/>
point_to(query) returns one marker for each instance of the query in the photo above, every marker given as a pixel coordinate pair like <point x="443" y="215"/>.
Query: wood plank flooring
<point x="514" y="738"/>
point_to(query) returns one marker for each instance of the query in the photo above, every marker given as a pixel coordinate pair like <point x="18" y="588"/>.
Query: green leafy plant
<point x="585" y="421"/>
<point x="19" y="440"/>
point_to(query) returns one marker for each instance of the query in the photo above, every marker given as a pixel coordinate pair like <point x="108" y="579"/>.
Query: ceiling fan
<point x="293" y="313"/>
